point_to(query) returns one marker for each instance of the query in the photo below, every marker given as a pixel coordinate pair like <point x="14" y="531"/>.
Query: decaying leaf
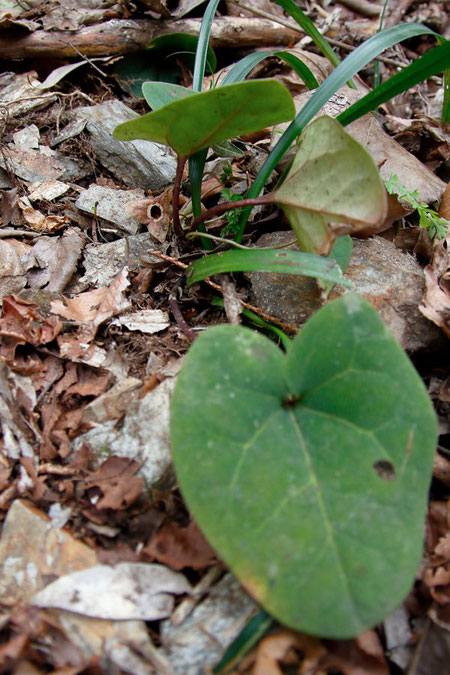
<point x="179" y="547"/>
<point x="22" y="323"/>
<point x="118" y="483"/>
<point x="93" y="308"/>
<point x="126" y="591"/>
<point x="333" y="188"/>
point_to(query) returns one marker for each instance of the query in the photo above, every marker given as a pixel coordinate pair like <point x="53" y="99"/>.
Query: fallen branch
<point x="118" y="37"/>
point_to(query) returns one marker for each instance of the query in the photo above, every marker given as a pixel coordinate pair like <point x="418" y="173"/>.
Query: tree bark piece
<point x="363" y="7"/>
<point x="117" y="37"/>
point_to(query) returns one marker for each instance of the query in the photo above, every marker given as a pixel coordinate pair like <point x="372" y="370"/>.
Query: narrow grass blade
<point x="431" y="63"/>
<point x="202" y="45"/>
<point x="197" y="161"/>
<point x="247" y="638"/>
<point x="345" y="70"/>
<point x="305" y="22"/>
<point x="242" y="68"/>
<point x="266" y="260"/>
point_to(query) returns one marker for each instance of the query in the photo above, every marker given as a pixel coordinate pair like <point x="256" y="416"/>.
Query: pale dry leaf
<point x="274" y="649"/>
<point x="436" y="302"/>
<point x="37" y="220"/>
<point x="444" y="207"/>
<point x="126" y="591"/>
<point x="81" y="308"/>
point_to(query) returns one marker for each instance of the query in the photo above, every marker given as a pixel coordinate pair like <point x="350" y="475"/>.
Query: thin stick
<point x="231" y="206"/>
<point x="300" y="31"/>
<point x="252" y="308"/>
<point x="177" y="315"/>
<point x="181" y="161"/>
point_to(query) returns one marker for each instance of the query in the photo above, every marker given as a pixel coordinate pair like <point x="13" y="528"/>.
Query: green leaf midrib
<point x="359" y="623"/>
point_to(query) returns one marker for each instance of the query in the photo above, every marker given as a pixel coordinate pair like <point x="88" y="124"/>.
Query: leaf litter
<point x="65" y="347"/>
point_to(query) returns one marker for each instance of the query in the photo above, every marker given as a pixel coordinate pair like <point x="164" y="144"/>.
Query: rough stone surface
<point x="109" y="204"/>
<point x="390" y="279"/>
<point x="143" y="436"/>
<point x="32" y="554"/>
<point x="197" y="645"/>
<point x="140" y="164"/>
<point x="32" y="551"/>
<point x="103" y="262"/>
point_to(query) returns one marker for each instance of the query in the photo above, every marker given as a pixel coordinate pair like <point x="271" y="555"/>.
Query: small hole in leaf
<point x="155" y="212"/>
<point x="385" y="469"/>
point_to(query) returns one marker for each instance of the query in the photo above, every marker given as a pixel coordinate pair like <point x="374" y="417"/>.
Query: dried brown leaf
<point x="444" y="207"/>
<point x="117" y="481"/>
<point x="179" y="547"/>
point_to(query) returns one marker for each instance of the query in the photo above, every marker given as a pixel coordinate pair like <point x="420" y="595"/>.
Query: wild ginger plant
<point x="307" y="471"/>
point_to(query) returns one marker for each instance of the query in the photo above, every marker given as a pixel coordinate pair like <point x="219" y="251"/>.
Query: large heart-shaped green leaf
<point x="309" y="472"/>
<point x="333" y="179"/>
<point x="195" y="122"/>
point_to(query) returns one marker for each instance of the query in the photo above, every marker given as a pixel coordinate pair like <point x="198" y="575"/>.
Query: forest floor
<point x="97" y="316"/>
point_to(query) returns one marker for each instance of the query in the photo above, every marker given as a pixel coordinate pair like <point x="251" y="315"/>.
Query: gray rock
<point x="390" y="279"/>
<point x="197" y="645"/>
<point x="139" y="164"/>
<point x="103" y="262"/>
<point x="143" y="436"/>
<point x="109" y="204"/>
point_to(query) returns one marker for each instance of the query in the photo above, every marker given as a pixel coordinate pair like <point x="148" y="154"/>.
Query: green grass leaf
<point x="433" y="62"/>
<point x="305" y="22"/>
<point x="195" y="122"/>
<point x="333" y="179"/>
<point x="201" y="54"/>
<point x="266" y="260"/>
<point x="309" y="473"/>
<point x="241" y="69"/>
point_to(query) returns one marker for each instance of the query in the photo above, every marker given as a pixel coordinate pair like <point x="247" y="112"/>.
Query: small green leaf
<point x="184" y="46"/>
<point x="333" y="179"/>
<point x="266" y="260"/>
<point x="159" y="94"/>
<point x="200" y="120"/>
<point x="309" y="473"/>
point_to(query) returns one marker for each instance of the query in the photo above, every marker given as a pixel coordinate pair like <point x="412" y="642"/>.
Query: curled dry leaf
<point x="117" y="481"/>
<point x="278" y="649"/>
<point x="37" y="220"/>
<point x="180" y="547"/>
<point x="444" y="208"/>
<point x="93" y="308"/>
<point x="126" y="591"/>
<point x="22" y="323"/>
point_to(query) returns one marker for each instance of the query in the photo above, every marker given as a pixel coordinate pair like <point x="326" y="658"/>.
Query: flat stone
<point x="103" y="262"/>
<point x="391" y="280"/>
<point x="109" y="204"/>
<point x="34" y="553"/>
<point x="139" y="164"/>
<point x="143" y="436"/>
<point x="195" y="646"/>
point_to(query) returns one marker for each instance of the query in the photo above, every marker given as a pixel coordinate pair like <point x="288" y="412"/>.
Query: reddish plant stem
<point x="181" y="161"/>
<point x="230" y="206"/>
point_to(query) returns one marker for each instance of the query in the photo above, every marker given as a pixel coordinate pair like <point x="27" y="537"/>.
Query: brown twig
<point x="177" y="315"/>
<point x="181" y="161"/>
<point x="217" y="210"/>
<point x="247" y="305"/>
